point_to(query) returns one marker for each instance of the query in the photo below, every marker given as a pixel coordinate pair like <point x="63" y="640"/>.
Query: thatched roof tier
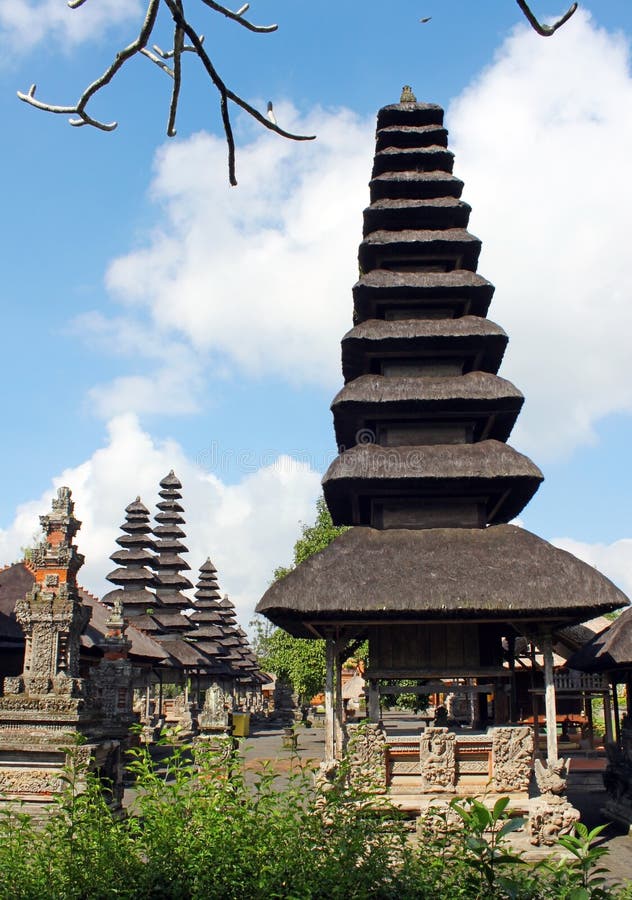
<point x="131" y="597"/>
<point x="171" y="620"/>
<point x="499" y="573"/>
<point x="411" y="136"/>
<point x="466" y="344"/>
<point x="608" y="651"/>
<point x="171" y="485"/>
<point x="436" y="212"/>
<point x="134" y="559"/>
<point x="452" y="248"/>
<point x="410" y="114"/>
<point x="489" y="405"/>
<point x="499" y="478"/>
<point x="449" y="294"/>
<point x="187" y="655"/>
<point x="413" y="159"/>
<point x="395" y="185"/>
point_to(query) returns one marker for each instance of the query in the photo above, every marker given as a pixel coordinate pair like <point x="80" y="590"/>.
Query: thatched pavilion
<point x="431" y="572"/>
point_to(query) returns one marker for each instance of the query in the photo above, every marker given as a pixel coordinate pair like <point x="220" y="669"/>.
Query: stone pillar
<point x="373" y="701"/>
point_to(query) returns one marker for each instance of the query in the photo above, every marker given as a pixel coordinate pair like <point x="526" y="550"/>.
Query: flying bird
<point x="270" y="113"/>
<point x="427" y="19"/>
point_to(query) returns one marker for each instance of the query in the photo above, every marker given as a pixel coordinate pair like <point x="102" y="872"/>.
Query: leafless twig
<point x="157" y="56"/>
<point x="237" y="17"/>
<point x="226" y="94"/>
<point x="545" y="30"/>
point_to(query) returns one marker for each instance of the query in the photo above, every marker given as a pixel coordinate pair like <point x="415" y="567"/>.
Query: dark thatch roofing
<point x="454" y="244"/>
<point x="502" y="572"/>
<point x="480" y="342"/>
<point x="408" y="159"/>
<point x="415" y="184"/>
<point x="409" y="114"/>
<point x="610" y="650"/>
<point x="143" y="647"/>
<point x="489" y="469"/>
<point x="465" y="291"/>
<point x="15" y="582"/>
<point x="492" y="401"/>
<point x="435" y="212"/>
<point x="411" y="136"/>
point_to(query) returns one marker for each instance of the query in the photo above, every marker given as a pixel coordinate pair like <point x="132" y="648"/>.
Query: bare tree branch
<point x="226" y="94"/>
<point x="121" y="58"/>
<point x="158" y="57"/>
<point x="178" y="45"/>
<point x="237" y="17"/>
<point x="545" y="30"/>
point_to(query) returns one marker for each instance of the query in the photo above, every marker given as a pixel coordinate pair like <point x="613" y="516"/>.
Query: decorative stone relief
<point x="23" y="781"/>
<point x="438" y="761"/>
<point x="512" y="749"/>
<point x="550" y="815"/>
<point x="366" y="751"/>
<point x="214" y="713"/>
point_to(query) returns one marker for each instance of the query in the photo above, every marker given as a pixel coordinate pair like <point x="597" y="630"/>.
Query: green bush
<point x="196" y="829"/>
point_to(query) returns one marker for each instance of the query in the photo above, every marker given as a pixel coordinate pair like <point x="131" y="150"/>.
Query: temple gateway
<point x="431" y="572"/>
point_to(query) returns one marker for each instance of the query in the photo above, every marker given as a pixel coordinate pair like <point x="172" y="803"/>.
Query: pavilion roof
<point x="608" y="651"/>
<point x="437" y="574"/>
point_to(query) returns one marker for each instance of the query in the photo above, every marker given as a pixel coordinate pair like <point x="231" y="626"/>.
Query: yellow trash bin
<point x="241" y="724"/>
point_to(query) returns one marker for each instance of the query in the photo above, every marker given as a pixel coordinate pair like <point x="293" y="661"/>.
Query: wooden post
<point x="607" y="714"/>
<point x="549" y="700"/>
<point x="373" y="705"/>
<point x="329" y="699"/>
<point x="338" y="732"/>
<point x="617" y="723"/>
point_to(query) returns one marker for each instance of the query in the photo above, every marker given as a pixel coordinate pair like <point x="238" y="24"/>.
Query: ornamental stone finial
<point x="407" y="95"/>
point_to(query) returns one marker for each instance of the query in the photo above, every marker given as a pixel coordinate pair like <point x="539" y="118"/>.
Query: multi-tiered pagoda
<point x="135" y="561"/>
<point x="171" y="603"/>
<point x="432" y="573"/>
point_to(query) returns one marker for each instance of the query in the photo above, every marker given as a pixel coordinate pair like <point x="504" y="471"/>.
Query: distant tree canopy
<point x="297" y="660"/>
<point x="187" y="38"/>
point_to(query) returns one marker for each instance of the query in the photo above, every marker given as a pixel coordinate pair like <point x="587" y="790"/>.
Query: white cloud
<point x="25" y="24"/>
<point x="262" y="272"/>
<point x="543" y="141"/>
<point x="614" y="560"/>
<point x="247" y="529"/>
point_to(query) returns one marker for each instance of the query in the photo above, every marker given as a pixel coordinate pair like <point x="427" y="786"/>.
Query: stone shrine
<point x="52" y="711"/>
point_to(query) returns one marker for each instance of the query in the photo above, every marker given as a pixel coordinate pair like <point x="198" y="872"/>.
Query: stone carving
<point x="551" y="814"/>
<point x="438" y="822"/>
<point x="438" y="761"/>
<point x="214" y="714"/>
<point x="512" y="749"/>
<point x="23" y="781"/>
<point x="49" y="705"/>
<point x="366" y="750"/>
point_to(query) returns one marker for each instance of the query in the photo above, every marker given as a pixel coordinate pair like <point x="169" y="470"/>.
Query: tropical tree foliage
<point x="297" y="660"/>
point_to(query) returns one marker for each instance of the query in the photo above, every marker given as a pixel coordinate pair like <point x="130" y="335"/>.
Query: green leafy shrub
<point x="198" y="829"/>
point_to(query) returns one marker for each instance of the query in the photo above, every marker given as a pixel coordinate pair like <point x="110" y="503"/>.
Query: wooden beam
<point x="419" y="673"/>
<point x="436" y="687"/>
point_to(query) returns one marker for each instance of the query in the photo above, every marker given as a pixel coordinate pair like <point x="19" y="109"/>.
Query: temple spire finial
<point x="407" y="95"/>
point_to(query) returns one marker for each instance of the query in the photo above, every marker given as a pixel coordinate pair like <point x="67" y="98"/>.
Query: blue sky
<point x="154" y="317"/>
